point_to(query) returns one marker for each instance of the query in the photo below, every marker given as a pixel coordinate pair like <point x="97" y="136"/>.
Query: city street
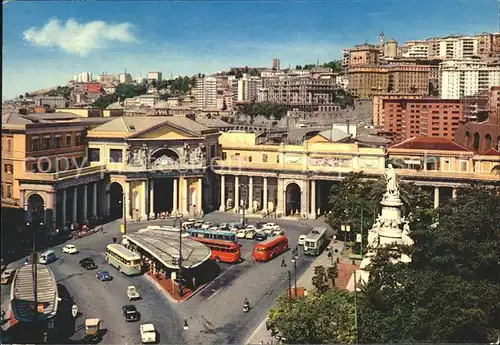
<point x="214" y="315"/>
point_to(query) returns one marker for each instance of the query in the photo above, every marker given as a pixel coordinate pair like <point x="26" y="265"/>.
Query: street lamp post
<point x="124" y="211"/>
<point x="244" y="188"/>
<point x="295" y="256"/>
<point x="180" y="255"/>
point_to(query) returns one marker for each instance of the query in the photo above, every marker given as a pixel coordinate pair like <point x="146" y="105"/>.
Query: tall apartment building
<point x="247" y="88"/>
<point x="304" y="92"/>
<point x="415" y="49"/>
<point x="346" y="56"/>
<point x="156" y="76"/>
<point x="378" y="104"/>
<point x="84" y="77"/>
<point x="124" y="78"/>
<point x="467" y="77"/>
<point x="276" y="64"/>
<point x="364" y="54"/>
<point x="364" y="81"/>
<point x="494" y="105"/>
<point x="206" y="92"/>
<point x="422" y="117"/>
<point x="458" y="47"/>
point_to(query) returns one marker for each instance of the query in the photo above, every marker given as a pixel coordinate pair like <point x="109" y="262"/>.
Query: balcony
<point x="173" y="166"/>
<point x="485" y="176"/>
<point x="63" y="175"/>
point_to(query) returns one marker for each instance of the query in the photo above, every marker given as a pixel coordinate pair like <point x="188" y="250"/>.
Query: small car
<point x="7" y="276"/>
<point x="148" y="333"/>
<point x="250" y="234"/>
<point x="207" y="225"/>
<point x="241" y="233"/>
<point x="261" y="236"/>
<point x="272" y="226"/>
<point x="251" y="227"/>
<point x="224" y="226"/>
<point x="103" y="276"/>
<point x="88" y="263"/>
<point x="198" y="224"/>
<point x="302" y="239"/>
<point x="70" y="249"/>
<point x="279" y="232"/>
<point x="213" y="228"/>
<point x="130" y="313"/>
<point x="132" y="293"/>
<point x="259" y="225"/>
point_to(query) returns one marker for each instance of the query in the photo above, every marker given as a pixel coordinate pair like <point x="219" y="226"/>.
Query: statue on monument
<point x="405" y="236"/>
<point x="185" y="152"/>
<point x="373" y="238"/>
<point x="392" y="184"/>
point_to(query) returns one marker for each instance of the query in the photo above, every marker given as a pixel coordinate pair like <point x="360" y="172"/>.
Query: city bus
<point x="125" y="260"/>
<point x="270" y="248"/>
<point x="315" y="241"/>
<point x="213" y="234"/>
<point x="221" y="251"/>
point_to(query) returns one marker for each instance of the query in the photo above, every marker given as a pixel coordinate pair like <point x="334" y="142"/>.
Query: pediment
<point x="165" y="131"/>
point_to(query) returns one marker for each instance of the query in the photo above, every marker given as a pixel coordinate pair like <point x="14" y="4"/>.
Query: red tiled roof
<point x="429" y="143"/>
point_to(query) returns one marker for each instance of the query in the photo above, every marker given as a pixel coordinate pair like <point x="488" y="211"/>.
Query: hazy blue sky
<point x="46" y="43"/>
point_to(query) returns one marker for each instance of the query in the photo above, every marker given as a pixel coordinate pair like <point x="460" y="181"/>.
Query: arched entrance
<point x="292" y="199"/>
<point x="36" y="209"/>
<point x="164" y="158"/>
<point x="116" y="200"/>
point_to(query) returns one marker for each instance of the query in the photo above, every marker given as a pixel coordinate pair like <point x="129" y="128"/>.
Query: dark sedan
<point x="88" y="263"/>
<point x="130" y="313"/>
<point x="260" y="236"/>
<point x="103" y="276"/>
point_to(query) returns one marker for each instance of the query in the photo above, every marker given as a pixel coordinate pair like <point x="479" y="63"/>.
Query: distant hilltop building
<point x="124" y="78"/>
<point x="276" y="64"/>
<point x="106" y="78"/>
<point x="154" y="76"/>
<point x="84" y="77"/>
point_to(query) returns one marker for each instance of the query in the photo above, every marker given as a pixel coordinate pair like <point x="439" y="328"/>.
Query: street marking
<point x="215" y="293"/>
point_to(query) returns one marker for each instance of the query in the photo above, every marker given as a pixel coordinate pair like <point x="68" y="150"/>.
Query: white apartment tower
<point x="124" y="78"/>
<point x="206" y="92"/>
<point x="156" y="76"/>
<point x="247" y="88"/>
<point x="84" y="77"/>
<point x="458" y="47"/>
<point x="467" y="77"/>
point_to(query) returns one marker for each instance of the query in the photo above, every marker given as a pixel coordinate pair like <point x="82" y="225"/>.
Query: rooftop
<point x="429" y="143"/>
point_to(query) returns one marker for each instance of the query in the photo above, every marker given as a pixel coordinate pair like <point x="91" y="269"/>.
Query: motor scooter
<point x="246" y="307"/>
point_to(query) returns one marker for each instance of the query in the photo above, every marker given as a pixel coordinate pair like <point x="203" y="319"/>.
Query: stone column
<point x="199" y="196"/>
<point x="144" y="203"/>
<point x="236" y="194"/>
<point x="304" y="199"/>
<point x="63" y="218"/>
<point x="312" y="215"/>
<point x="184" y="188"/>
<point x="280" y="207"/>
<point x="175" y="205"/>
<point x="264" y="206"/>
<point x="54" y="210"/>
<point x="94" y="201"/>
<point x="75" y="204"/>
<point x="127" y="200"/>
<point x="151" y="198"/>
<point x="250" y="194"/>
<point x="85" y="203"/>
<point x="222" y="207"/>
<point x="436" y="197"/>
<point x="454" y="193"/>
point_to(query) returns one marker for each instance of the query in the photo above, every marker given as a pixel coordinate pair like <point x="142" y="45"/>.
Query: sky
<point x="45" y="43"/>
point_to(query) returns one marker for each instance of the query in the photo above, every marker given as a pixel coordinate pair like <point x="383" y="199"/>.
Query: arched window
<point x="487" y="137"/>
<point x="476" y="141"/>
<point x="467" y="138"/>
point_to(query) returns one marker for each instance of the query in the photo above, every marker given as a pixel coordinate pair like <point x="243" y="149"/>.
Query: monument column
<point x="264" y="207"/>
<point x="436" y="197"/>
<point x="250" y="194"/>
<point x="236" y="194"/>
<point x="313" y="200"/>
<point x="199" y="196"/>
<point x="127" y="201"/>
<point x="184" y="188"/>
<point x="75" y="204"/>
<point x="175" y="200"/>
<point x="152" y="198"/>
<point x="85" y="202"/>
<point x="222" y="207"/>
<point x="144" y="203"/>
<point x="94" y="200"/>
<point x="63" y="218"/>
<point x="280" y="207"/>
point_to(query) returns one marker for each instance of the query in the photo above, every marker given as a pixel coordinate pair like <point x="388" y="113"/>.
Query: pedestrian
<point x="283" y="264"/>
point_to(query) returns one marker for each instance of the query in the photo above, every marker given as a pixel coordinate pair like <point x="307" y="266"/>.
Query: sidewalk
<point x="261" y="335"/>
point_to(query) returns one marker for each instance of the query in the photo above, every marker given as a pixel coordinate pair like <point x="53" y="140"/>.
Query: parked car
<point x="7" y="276"/>
<point x="103" y="276"/>
<point x="224" y="226"/>
<point x="130" y="313"/>
<point x="70" y="249"/>
<point x="279" y="232"/>
<point x="198" y="224"/>
<point x="207" y="225"/>
<point x="272" y="226"/>
<point x="301" y="240"/>
<point x="214" y="228"/>
<point x="259" y="224"/>
<point x="88" y="263"/>
<point x="260" y="236"/>
<point x="241" y="233"/>
<point x="250" y="234"/>
<point x="148" y="333"/>
<point x="132" y="293"/>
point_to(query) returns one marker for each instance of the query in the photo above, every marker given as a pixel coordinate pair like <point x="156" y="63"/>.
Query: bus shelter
<point x="159" y="250"/>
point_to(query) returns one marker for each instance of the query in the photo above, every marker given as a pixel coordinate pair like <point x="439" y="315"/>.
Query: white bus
<point x="315" y="241"/>
<point x="125" y="260"/>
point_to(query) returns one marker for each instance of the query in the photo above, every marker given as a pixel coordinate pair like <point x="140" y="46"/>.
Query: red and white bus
<point x="270" y="248"/>
<point x="221" y="251"/>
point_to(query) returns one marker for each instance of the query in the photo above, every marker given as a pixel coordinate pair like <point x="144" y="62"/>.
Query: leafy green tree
<point x="315" y="320"/>
<point x="320" y="280"/>
<point x="332" y="273"/>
